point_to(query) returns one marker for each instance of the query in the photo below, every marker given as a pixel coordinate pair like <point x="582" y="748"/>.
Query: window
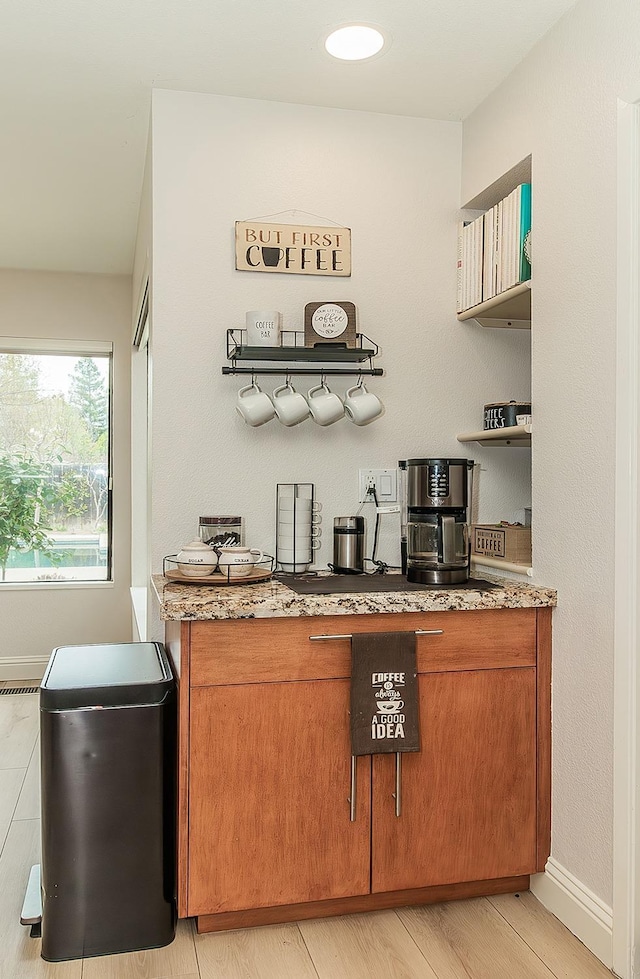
<point x="55" y="460"/>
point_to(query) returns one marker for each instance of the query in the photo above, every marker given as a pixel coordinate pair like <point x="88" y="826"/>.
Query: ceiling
<point x="77" y="75"/>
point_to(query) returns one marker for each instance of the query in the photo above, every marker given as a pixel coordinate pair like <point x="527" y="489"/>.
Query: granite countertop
<point x="272" y="598"/>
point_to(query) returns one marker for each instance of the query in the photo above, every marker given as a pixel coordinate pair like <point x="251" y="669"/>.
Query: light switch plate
<point x="385" y="482"/>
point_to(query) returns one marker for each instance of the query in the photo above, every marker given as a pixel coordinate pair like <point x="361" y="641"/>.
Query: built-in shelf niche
<point x="509" y="310"/>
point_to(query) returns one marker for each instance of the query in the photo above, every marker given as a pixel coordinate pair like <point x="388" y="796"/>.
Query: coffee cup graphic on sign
<point x="390" y="706"/>
<point x="271" y="256"/>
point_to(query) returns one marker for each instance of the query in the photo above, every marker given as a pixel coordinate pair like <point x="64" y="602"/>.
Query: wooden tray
<point x="217" y="578"/>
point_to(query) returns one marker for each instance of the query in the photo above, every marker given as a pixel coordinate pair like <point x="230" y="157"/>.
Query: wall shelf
<point x="515" y="435"/>
<point x="509" y="310"/>
<point x="247" y="359"/>
<point x="490" y="562"/>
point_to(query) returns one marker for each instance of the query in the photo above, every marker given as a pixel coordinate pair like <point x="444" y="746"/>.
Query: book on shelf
<point x="491" y="250"/>
<point x="515" y="265"/>
<point x="469" y="269"/>
<point x="478" y="229"/>
<point x="490" y="256"/>
<point x="460" y="271"/>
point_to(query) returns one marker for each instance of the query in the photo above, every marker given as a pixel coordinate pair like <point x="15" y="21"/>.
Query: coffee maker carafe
<point x="438" y="501"/>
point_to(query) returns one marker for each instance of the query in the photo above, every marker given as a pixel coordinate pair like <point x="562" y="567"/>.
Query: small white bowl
<point x="197" y="559"/>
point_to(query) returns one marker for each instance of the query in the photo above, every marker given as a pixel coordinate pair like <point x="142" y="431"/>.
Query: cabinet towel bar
<point x="417" y="632"/>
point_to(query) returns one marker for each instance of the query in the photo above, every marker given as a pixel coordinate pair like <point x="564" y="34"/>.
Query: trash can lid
<point x="106" y="675"/>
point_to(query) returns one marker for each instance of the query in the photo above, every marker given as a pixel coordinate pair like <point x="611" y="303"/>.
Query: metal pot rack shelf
<point x="291" y="356"/>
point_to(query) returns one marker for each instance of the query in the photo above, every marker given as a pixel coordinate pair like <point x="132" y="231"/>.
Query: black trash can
<point x="108" y="742"/>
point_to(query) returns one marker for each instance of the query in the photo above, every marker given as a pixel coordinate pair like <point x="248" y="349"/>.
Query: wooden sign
<point x="295" y="248"/>
<point x="384" y="693"/>
<point x="330" y="323"/>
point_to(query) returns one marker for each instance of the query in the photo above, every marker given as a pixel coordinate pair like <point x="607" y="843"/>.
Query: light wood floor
<point x="504" y="937"/>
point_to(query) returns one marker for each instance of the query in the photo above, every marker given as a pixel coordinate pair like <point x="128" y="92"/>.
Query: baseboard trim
<point x="22" y="667"/>
<point x="583" y="913"/>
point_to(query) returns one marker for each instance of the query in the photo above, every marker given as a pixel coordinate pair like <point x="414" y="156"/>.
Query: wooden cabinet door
<point x="468" y="798"/>
<point x="269" y="785"/>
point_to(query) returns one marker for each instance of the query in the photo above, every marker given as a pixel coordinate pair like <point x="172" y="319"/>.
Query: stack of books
<point x="494" y="250"/>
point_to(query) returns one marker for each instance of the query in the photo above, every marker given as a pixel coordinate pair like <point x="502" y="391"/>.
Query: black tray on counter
<point x="355" y="584"/>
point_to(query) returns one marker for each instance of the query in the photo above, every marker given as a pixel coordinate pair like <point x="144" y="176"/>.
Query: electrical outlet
<point x="385" y="482"/>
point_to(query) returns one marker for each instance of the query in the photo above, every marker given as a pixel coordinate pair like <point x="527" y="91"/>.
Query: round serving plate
<point x="217" y="578"/>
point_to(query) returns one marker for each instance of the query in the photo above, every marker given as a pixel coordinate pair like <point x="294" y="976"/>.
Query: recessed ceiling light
<point x="354" y="43"/>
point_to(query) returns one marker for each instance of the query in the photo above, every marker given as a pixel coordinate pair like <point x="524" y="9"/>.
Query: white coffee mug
<point x="254" y="405"/>
<point x="301" y="518"/>
<point x="238" y="562"/>
<point x="296" y="568"/>
<point x="298" y="553"/>
<point x="298" y="503"/>
<point x="286" y="540"/>
<point x="325" y="407"/>
<point x="361" y="406"/>
<point x="291" y="408"/>
<point x="263" y="327"/>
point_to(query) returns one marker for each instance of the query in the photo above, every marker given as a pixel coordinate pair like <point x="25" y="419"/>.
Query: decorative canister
<point x="263" y="327"/>
<point x="503" y="414"/>
<point x="221" y="531"/>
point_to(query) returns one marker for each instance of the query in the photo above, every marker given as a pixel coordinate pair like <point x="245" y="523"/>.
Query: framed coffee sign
<point x="333" y="322"/>
<point x="295" y="248"/>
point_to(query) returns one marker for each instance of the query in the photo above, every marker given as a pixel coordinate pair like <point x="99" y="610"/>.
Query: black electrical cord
<point x="380" y="567"/>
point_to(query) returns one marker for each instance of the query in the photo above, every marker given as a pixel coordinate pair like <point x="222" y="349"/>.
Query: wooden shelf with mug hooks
<point x="296" y="359"/>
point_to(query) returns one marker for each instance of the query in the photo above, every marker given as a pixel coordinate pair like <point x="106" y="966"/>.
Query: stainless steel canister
<point x="348" y="545"/>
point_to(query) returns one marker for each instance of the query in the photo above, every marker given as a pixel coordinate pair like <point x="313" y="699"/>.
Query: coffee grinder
<point x="437" y="503"/>
<point x="348" y="545"/>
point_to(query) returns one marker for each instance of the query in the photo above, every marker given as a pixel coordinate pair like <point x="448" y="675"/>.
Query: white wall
<point x="395" y="181"/>
<point x="36" y="619"/>
<point x="560" y="105"/>
<point x="140" y="421"/>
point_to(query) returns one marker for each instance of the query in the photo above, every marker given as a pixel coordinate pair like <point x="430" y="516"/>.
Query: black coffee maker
<point x="435" y="507"/>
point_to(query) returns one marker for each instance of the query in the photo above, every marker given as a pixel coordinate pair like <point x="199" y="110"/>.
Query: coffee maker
<point x="435" y="510"/>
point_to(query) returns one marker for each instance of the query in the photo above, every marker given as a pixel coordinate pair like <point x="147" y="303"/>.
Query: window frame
<point x="81" y="347"/>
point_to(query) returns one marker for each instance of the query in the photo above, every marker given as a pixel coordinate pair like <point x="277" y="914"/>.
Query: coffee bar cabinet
<point x="277" y="822"/>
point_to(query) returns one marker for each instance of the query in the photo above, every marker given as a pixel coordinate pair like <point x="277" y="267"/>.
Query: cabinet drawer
<point x="229" y="651"/>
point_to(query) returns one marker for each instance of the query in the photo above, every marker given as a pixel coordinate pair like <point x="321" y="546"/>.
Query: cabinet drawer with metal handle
<point x="318" y="647"/>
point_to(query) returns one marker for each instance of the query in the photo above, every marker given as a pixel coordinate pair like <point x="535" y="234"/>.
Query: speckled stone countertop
<point x="271" y="599"/>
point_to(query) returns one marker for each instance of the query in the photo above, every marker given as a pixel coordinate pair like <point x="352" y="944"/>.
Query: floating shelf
<point x="327" y="354"/>
<point x="241" y="354"/>
<point x="491" y="562"/>
<point x="515" y="435"/>
<point x="509" y="310"/>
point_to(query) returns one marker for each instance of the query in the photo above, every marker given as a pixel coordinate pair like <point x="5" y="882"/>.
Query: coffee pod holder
<point x="293" y="500"/>
<point x="260" y="571"/>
